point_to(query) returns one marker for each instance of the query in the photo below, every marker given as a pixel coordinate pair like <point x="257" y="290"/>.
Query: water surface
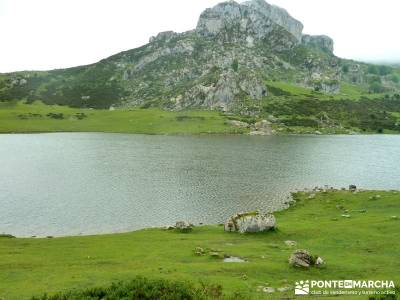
<point x="87" y="183"/>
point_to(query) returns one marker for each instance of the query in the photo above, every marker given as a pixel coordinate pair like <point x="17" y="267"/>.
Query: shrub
<point x="8" y="236"/>
<point x="394" y="78"/>
<point x="141" y="288"/>
<point x="235" y="65"/>
<point x="376" y="87"/>
<point x="57" y="116"/>
<point x="379" y="70"/>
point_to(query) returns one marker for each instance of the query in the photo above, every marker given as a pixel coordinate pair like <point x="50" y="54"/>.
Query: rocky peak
<point x="250" y="22"/>
<point x="278" y="15"/>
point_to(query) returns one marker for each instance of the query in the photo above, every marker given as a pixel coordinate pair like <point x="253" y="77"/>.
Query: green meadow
<point x="17" y="117"/>
<point x="357" y="235"/>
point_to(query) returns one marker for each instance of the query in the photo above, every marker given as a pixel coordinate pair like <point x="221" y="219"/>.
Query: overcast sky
<point x="48" y="34"/>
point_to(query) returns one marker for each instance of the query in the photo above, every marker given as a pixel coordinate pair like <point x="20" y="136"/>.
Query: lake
<point x="86" y="183"/>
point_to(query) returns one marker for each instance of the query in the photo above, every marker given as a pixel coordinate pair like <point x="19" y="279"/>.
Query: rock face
<point x="250" y="222"/>
<point x="321" y="41"/>
<point x="251" y="21"/>
<point x="277" y="15"/>
<point x="223" y="93"/>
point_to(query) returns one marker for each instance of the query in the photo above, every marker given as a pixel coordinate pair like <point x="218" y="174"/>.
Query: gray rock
<point x="183" y="226"/>
<point x="319" y="262"/>
<point x="169" y="227"/>
<point x="232" y="259"/>
<point x="268" y="290"/>
<point x="262" y="128"/>
<point x="291" y="243"/>
<point x="215" y="255"/>
<point x="303" y="259"/>
<point x="250" y="222"/>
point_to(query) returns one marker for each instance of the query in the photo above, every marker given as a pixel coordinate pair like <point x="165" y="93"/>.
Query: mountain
<point x="238" y="56"/>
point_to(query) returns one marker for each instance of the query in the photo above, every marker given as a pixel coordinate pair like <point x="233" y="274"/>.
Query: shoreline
<point x="204" y="133"/>
<point x="286" y="206"/>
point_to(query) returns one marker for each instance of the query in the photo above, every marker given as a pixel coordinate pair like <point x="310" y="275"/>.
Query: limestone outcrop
<point x="249" y="22"/>
<point x="250" y="222"/>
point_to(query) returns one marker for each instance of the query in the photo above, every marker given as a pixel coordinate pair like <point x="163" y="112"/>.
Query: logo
<point x="345" y="287"/>
<point x="302" y="288"/>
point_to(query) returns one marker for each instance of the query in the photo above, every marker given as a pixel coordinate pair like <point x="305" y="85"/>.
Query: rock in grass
<point x="311" y="196"/>
<point x="215" y="255"/>
<point x="183" y="226"/>
<point x="250" y="222"/>
<point x="319" y="262"/>
<point x="303" y="259"/>
<point x="169" y="227"/>
<point x="291" y="243"/>
<point x="268" y="290"/>
<point x="199" y="251"/>
<point x="233" y="259"/>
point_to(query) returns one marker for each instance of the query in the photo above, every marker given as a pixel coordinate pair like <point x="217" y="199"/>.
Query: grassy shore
<point x="22" y="118"/>
<point x="363" y="245"/>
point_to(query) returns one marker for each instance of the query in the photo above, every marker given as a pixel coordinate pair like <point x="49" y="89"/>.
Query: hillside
<point x="236" y="60"/>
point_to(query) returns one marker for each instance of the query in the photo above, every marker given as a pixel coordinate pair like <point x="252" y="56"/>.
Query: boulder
<point x="233" y="259"/>
<point x="250" y="222"/>
<point x="262" y="128"/>
<point x="303" y="259"/>
<point x="183" y="226"/>
<point x="291" y="243"/>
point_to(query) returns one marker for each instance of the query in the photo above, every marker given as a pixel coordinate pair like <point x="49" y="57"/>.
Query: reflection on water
<point x="86" y="183"/>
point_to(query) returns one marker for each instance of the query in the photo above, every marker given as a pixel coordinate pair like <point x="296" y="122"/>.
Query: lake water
<point x="86" y="183"/>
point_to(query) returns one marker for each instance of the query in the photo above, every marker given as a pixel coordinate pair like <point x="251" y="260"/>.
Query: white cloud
<point x="47" y="34"/>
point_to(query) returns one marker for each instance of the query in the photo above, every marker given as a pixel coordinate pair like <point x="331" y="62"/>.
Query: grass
<point x="364" y="246"/>
<point x="37" y="117"/>
<point x="347" y="91"/>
